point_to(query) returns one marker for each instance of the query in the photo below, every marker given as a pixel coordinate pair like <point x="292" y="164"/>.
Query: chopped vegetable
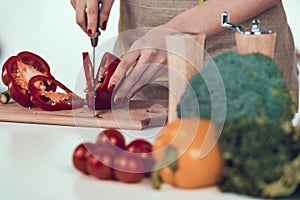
<point x="246" y="94"/>
<point x="42" y="94"/>
<point x="4" y="97"/>
<point x="30" y="83"/>
<point x="101" y="97"/>
<point x="18" y="70"/>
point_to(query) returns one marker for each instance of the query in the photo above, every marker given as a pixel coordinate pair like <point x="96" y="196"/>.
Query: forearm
<point x="206" y="18"/>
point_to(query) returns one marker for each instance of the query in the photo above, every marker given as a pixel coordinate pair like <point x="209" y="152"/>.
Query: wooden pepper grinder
<point x="254" y="40"/>
<point x="185" y="58"/>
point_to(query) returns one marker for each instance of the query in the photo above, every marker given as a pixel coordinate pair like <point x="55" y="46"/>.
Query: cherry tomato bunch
<point x="110" y="158"/>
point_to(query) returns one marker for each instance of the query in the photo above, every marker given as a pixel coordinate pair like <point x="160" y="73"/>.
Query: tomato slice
<point x="18" y="70"/>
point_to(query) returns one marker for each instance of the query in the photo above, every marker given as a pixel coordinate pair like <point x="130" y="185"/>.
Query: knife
<point x="94" y="43"/>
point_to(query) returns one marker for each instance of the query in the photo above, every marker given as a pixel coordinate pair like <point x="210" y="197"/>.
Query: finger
<point x="128" y="82"/>
<point x="126" y="62"/>
<point x="81" y="15"/>
<point x="104" y="14"/>
<point x="154" y="70"/>
<point x="137" y="76"/>
<point x="73" y="3"/>
<point x="92" y="10"/>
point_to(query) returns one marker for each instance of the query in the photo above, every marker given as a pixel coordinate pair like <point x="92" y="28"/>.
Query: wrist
<point x="173" y="26"/>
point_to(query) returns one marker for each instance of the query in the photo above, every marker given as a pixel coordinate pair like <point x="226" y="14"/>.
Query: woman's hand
<point x="146" y="60"/>
<point x="87" y="14"/>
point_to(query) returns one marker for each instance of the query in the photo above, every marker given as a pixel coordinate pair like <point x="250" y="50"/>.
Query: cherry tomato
<point x="129" y="168"/>
<point x="100" y="163"/>
<point x="111" y="136"/>
<point x="81" y="153"/>
<point x="139" y="146"/>
<point x="143" y="149"/>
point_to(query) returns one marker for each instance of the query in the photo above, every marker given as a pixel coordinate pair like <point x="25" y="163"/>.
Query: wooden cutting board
<point x="136" y="115"/>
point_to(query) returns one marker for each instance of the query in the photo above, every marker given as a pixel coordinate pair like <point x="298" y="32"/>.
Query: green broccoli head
<point x="232" y="85"/>
<point x="256" y="150"/>
<point x="246" y="94"/>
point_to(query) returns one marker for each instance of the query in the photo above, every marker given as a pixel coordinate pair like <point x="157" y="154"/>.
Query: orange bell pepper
<point x="182" y="157"/>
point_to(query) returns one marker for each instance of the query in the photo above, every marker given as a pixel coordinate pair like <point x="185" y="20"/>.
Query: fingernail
<point x="90" y="32"/>
<point x="104" y="25"/>
<point x="118" y="100"/>
<point x="124" y="101"/>
<point x="111" y="87"/>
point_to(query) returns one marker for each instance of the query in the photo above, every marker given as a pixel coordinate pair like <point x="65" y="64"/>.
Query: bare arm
<point x="205" y="18"/>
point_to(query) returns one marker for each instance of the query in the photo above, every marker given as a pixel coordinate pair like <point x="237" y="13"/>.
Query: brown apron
<point x="151" y="13"/>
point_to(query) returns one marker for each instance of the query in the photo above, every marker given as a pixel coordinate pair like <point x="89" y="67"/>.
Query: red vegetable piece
<point x="18" y="70"/>
<point x="139" y="146"/>
<point x="8" y="62"/>
<point x="50" y="100"/>
<point x="102" y="99"/>
<point x="88" y="71"/>
<point x="112" y="138"/>
<point x="142" y="149"/>
<point x="103" y="96"/>
<point x="100" y="163"/>
<point x="129" y="168"/>
<point x="80" y="155"/>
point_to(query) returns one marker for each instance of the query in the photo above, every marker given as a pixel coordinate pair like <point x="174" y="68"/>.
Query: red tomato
<point x="129" y="168"/>
<point x="81" y="153"/>
<point x="109" y="137"/>
<point x="143" y="149"/>
<point x="139" y="146"/>
<point x="100" y="164"/>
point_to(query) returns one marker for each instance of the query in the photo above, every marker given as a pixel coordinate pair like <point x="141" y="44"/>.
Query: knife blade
<point x="94" y="43"/>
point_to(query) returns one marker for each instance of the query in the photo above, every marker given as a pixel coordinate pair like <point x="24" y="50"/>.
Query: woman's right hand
<point x="87" y="14"/>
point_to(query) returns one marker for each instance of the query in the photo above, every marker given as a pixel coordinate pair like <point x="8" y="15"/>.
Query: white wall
<point x="293" y="14"/>
<point x="48" y="28"/>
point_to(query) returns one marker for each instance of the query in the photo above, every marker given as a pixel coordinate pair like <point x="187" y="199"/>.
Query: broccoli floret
<point x="248" y="100"/>
<point x="232" y="85"/>
<point x="256" y="150"/>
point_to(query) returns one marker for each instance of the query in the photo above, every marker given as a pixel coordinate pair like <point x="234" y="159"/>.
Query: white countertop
<point x="36" y="164"/>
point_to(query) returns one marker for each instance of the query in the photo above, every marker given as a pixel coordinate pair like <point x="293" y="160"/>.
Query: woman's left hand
<point x="148" y="59"/>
